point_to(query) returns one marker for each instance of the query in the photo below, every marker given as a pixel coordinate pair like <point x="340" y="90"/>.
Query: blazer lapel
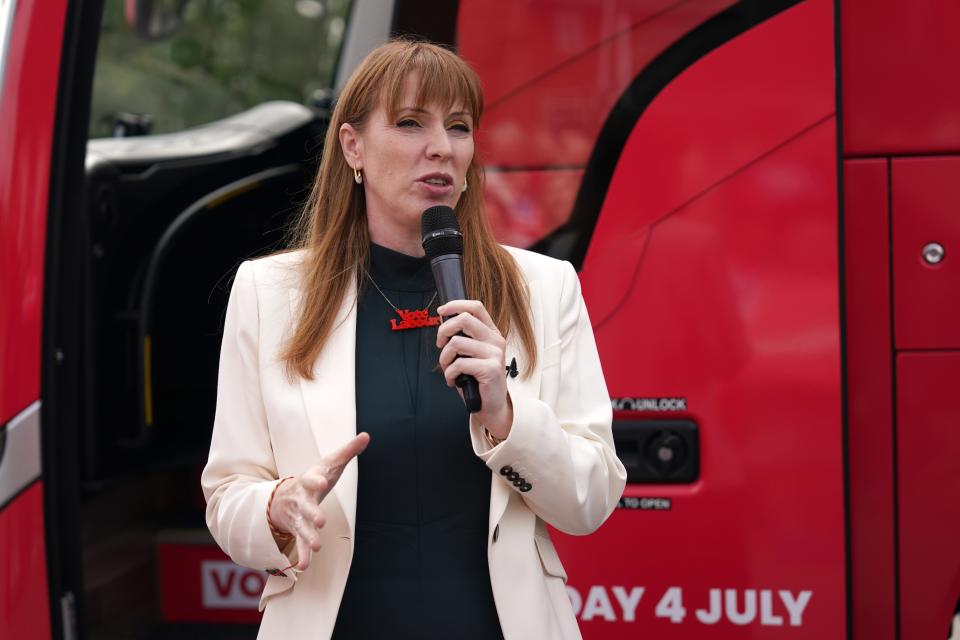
<point x="519" y="387"/>
<point x="330" y="398"/>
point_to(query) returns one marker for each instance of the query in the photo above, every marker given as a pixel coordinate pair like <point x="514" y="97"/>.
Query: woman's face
<point x="410" y="163"/>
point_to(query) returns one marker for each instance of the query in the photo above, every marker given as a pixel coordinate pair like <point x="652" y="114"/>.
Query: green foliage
<point x="226" y="56"/>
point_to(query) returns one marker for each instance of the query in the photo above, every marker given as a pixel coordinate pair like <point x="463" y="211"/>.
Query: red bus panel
<point x="552" y="72"/>
<point x="929" y="490"/>
<point x="900" y="93"/>
<point x="870" y="393"/>
<point x="28" y="99"/>
<point x="926" y="198"/>
<point x="24" y="607"/>
<point x="713" y="275"/>
<point x="27" y="107"/>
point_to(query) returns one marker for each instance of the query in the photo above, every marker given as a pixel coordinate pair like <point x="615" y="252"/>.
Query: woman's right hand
<point x="296" y="505"/>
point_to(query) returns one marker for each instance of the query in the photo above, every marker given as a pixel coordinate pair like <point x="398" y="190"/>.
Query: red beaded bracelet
<point x="280" y="535"/>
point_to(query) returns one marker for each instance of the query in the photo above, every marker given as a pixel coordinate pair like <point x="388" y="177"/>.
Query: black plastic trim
<point x="571" y="240"/>
<point x="844" y="369"/>
<point x="174" y="232"/>
<point x="637" y="440"/>
<point x="893" y="409"/>
<point x="60" y="382"/>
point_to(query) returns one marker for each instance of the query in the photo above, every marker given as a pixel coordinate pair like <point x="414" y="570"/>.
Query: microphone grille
<point x="440" y="232"/>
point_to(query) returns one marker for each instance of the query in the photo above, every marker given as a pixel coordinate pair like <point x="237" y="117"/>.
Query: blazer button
<point x="512" y="476"/>
<point x="504" y="471"/>
<point x="526" y="486"/>
<point x="519" y="482"/>
<point x="496" y="533"/>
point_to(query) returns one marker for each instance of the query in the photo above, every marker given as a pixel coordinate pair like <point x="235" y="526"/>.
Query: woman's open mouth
<point x="437" y="184"/>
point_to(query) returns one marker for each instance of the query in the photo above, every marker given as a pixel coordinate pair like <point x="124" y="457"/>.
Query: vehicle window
<point x="165" y="65"/>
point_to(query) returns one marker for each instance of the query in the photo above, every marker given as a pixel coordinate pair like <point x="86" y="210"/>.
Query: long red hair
<point x="332" y="228"/>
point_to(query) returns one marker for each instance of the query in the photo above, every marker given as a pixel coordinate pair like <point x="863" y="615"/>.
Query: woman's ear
<point x="351" y="145"/>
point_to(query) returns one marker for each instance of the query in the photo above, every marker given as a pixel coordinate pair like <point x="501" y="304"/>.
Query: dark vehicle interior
<point x="142" y="251"/>
<point x="161" y="248"/>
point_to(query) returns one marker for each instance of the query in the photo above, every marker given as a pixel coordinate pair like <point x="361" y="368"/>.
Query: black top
<point x="423" y="497"/>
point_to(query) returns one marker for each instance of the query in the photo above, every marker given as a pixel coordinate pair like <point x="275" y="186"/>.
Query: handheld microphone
<point x="443" y="244"/>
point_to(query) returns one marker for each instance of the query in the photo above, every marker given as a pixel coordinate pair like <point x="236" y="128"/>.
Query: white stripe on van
<point x="20" y="459"/>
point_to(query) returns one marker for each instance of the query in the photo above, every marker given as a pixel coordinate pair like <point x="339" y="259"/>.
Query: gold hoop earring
<point x="464" y="185"/>
<point x="357" y="177"/>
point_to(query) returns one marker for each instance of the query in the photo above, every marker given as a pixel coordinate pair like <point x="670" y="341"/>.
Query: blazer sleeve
<point x="565" y="452"/>
<point x="241" y="472"/>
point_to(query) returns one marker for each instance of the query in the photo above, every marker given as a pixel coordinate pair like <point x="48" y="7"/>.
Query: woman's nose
<point x="438" y="143"/>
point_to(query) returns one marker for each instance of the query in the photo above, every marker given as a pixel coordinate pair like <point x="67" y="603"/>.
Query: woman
<point x="439" y="529"/>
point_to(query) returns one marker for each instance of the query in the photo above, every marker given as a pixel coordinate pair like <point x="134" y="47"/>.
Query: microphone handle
<point x="471" y="392"/>
<point x="448" y="274"/>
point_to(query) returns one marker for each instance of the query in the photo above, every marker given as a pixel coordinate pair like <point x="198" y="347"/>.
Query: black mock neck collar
<point x="394" y="270"/>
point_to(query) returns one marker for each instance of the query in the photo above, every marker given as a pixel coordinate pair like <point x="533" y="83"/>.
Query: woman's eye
<point x="408" y="123"/>
<point x="461" y="127"/>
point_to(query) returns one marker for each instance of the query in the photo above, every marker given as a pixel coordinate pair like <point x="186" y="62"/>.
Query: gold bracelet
<point x="492" y="439"/>
<point x="281" y="536"/>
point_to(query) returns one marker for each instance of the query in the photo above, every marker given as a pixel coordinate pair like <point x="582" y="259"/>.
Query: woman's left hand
<point x="485" y="347"/>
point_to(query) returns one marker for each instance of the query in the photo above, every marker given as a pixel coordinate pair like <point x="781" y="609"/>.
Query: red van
<point x="760" y="198"/>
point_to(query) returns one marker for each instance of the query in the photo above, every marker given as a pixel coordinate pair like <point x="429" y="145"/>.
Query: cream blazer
<point x="268" y="428"/>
